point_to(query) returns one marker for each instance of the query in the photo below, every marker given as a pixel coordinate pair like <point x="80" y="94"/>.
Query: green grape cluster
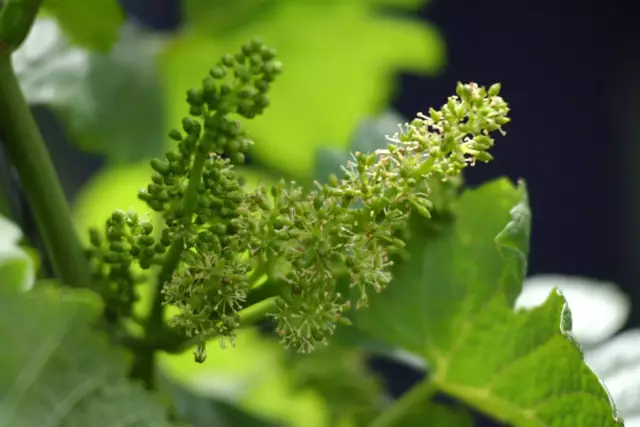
<point x="349" y="226"/>
<point x="209" y="283"/>
<point x="126" y="238"/>
<point x="198" y="195"/>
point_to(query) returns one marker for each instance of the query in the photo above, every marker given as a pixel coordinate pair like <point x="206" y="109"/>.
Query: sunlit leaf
<point x="90" y="24"/>
<point x="453" y="304"/>
<point x="109" y="104"/>
<point x="341" y="59"/>
<point x="59" y="371"/>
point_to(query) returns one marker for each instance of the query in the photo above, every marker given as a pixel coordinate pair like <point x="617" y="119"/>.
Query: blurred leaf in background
<point x="90" y="24"/>
<point x="109" y="103"/>
<point x="201" y="411"/>
<point x="252" y="376"/>
<point x="341" y="61"/>
<point x="339" y="374"/>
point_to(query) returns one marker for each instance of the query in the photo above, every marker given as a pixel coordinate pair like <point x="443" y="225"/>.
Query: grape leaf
<point x="202" y="411"/>
<point x="57" y="370"/>
<point x="453" y="304"/>
<point x="438" y="416"/>
<point x="90" y="24"/>
<point x="109" y="104"/>
<point x="340" y="61"/>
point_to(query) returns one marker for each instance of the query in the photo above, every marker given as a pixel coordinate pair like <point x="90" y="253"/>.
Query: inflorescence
<point x="217" y="232"/>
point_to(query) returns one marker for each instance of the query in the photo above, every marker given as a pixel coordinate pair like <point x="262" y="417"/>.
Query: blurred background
<point x="569" y="71"/>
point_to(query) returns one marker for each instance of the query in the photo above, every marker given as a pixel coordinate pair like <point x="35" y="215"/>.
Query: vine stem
<point x="27" y="152"/>
<point x="421" y="392"/>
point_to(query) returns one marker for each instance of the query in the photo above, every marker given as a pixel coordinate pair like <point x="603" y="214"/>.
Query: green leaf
<point x="17" y="267"/>
<point x="438" y="416"/>
<point x="340" y="376"/>
<point x="253" y="376"/>
<point x="224" y="16"/>
<point x="57" y="370"/>
<point x="90" y="24"/>
<point x="453" y="304"/>
<point x="109" y="104"/>
<point x="340" y="60"/>
<point x="201" y="411"/>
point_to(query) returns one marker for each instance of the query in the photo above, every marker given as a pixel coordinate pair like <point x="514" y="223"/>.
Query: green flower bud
<point x="228" y="60"/>
<point x="262" y="86"/>
<point x="95" y="237"/>
<point x="157" y="178"/>
<point x="194" y="97"/>
<point x="175" y="135"/>
<point x="119" y="216"/>
<point x="494" y="90"/>
<point x="208" y="86"/>
<point x="173" y="156"/>
<point x="187" y="124"/>
<point x="160" y="166"/>
<point x="267" y="53"/>
<point x="119" y="247"/>
<point x="218" y="72"/>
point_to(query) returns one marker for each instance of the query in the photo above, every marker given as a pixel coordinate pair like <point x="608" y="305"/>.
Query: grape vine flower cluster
<point x="348" y="226"/>
<point x="218" y="237"/>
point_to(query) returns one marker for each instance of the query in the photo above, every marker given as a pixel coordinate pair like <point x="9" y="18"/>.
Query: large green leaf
<point x="453" y="304"/>
<point x="109" y="103"/>
<point x="340" y="63"/>
<point x="91" y="24"/>
<point x="340" y="376"/>
<point x="202" y="411"/>
<point x="58" y="371"/>
<point x="437" y="415"/>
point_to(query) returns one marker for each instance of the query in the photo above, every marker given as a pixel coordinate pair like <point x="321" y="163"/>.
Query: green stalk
<point x="394" y="415"/>
<point x="27" y="152"/>
<point x="16" y="18"/>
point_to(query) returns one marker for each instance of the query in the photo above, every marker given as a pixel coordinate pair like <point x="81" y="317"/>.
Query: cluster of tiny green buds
<point x="126" y="237"/>
<point x="208" y="289"/>
<point x="200" y="198"/>
<point x="200" y="195"/>
<point x="349" y="226"/>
